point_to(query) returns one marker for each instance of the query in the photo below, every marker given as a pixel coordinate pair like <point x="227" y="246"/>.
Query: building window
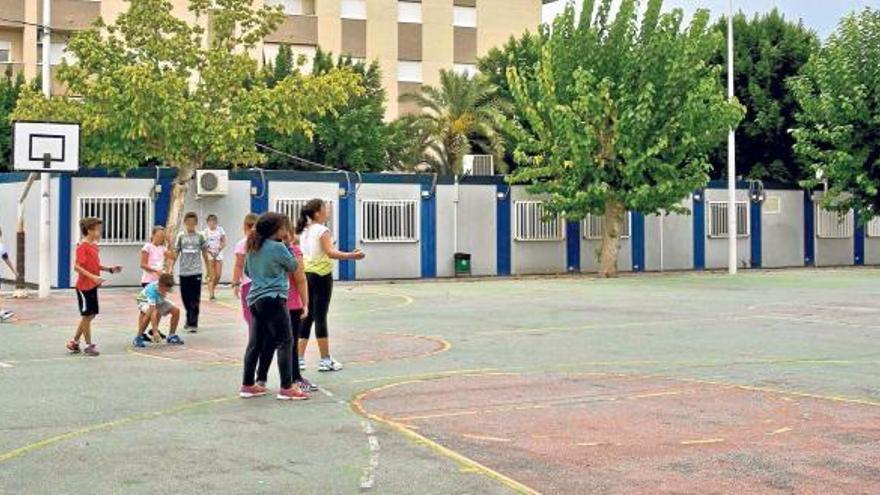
<point x="409" y="12"/>
<point x="718" y="219"/>
<point x="5" y="52"/>
<point x="469" y="70"/>
<point x="833" y="225"/>
<point x="127" y="221"/>
<point x="294" y="7"/>
<point x="873" y="228"/>
<point x="464" y="16"/>
<point x="354" y="9"/>
<point x="533" y="222"/>
<point x="293" y="206"/>
<point x="390" y="221"/>
<point x="593" y="226"/>
<point x="409" y="71"/>
<point x="302" y="54"/>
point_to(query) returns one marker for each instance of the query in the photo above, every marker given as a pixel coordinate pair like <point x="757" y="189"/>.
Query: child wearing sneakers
<point x="153" y="305"/>
<point x="4" y="255"/>
<point x="88" y="268"/>
<point x="190" y="250"/>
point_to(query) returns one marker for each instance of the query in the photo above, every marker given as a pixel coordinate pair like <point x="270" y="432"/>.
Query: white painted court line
<point x="5" y="365"/>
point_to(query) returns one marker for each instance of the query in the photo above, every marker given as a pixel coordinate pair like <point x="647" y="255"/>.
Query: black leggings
<point x="191" y="294"/>
<point x="271" y="325"/>
<point x="320" y="292"/>
<point x="269" y="349"/>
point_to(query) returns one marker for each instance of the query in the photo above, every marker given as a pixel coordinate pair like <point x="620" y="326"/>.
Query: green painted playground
<point x="676" y="383"/>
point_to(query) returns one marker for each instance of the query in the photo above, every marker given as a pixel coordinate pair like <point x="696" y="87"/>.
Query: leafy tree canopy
<point x="622" y="114"/>
<point x="768" y="50"/>
<point x="838" y="127"/>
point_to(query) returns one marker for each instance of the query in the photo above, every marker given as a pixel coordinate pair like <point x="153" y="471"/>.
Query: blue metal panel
<point x="65" y="217"/>
<point x="637" y="242"/>
<point x="756" y="238"/>
<point x="428" y="239"/>
<point x="859" y="242"/>
<point x="162" y="201"/>
<point x="700" y="232"/>
<point x="573" y="246"/>
<point x="503" y="241"/>
<point x="260" y="200"/>
<point x="809" y="233"/>
<point x="347" y="230"/>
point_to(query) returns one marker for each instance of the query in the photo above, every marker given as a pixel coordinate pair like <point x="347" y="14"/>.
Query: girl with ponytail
<point x="318" y="254"/>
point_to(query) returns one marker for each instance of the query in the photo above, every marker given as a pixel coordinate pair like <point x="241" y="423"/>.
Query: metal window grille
<point x="717" y="219"/>
<point x="593" y="226"/>
<point x="389" y="221"/>
<point x="833" y="225"/>
<point x="534" y="223"/>
<point x="127" y="221"/>
<point x="873" y="228"/>
<point x="292" y="206"/>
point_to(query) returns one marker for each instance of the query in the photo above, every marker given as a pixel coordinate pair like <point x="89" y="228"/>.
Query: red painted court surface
<point x="698" y="384"/>
<point x="599" y="433"/>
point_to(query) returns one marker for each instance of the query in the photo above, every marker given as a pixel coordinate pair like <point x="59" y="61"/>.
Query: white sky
<point x="820" y="15"/>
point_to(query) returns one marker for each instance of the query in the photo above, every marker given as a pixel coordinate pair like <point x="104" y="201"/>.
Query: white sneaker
<point x="6" y="314"/>
<point x="329" y="364"/>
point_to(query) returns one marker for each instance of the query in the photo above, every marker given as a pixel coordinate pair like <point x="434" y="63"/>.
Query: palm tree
<point x="458" y="116"/>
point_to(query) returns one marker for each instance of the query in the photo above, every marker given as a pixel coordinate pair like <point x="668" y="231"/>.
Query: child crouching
<point x="153" y="305"/>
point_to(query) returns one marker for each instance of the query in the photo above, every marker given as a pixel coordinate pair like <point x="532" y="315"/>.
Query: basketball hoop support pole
<point x="45" y="191"/>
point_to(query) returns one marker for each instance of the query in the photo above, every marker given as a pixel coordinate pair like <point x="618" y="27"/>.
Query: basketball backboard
<point x="45" y="146"/>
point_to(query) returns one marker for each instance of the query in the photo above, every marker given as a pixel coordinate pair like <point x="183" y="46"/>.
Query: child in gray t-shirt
<point x="190" y="250"/>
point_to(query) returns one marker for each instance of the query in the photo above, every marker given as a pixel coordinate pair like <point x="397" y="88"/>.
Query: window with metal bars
<point x="593" y="226"/>
<point x="833" y="225"/>
<point x="389" y="221"/>
<point x="293" y="206"/>
<point x="126" y="221"/>
<point x="873" y="227"/>
<point x="717" y="219"/>
<point x="532" y="222"/>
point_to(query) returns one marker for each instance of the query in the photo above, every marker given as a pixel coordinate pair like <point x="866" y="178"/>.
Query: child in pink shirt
<point x="153" y="256"/>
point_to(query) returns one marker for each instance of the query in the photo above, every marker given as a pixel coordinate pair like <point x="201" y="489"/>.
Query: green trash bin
<point x="462" y="264"/>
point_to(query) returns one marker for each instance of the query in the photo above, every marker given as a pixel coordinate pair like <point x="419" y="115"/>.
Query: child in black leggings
<point x="268" y="264"/>
<point x="318" y="253"/>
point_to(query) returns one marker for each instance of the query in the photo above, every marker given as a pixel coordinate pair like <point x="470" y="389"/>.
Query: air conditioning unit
<point x="478" y="165"/>
<point x="212" y="182"/>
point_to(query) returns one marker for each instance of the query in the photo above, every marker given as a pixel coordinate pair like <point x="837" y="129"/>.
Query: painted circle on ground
<point x="561" y="433"/>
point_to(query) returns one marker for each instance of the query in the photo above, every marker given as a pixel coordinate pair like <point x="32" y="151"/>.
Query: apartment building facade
<point x="412" y="40"/>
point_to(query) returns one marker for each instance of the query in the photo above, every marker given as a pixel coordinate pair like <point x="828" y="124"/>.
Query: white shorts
<point x="218" y="257"/>
<point x="164" y="307"/>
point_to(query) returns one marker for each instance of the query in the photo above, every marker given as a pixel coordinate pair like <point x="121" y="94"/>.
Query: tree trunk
<point x="175" y="209"/>
<point x="614" y="212"/>
<point x="20" y="253"/>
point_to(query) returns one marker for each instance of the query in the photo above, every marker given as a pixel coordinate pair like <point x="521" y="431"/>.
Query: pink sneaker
<point x="91" y="350"/>
<point x="248" y="392"/>
<point x="292" y="393"/>
<point x="73" y="346"/>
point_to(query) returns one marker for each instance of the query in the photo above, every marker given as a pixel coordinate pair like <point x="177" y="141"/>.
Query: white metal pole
<point x="731" y="155"/>
<point x="45" y="282"/>
<point x="662" y="214"/>
<point x="455" y="216"/>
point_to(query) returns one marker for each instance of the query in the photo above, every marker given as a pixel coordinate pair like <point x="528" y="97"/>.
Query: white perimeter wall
<point x="9" y="194"/>
<point x="477" y="228"/>
<point x="677" y="233"/>
<point x="782" y="234"/>
<point x="528" y="257"/>
<point x="716" y="249"/>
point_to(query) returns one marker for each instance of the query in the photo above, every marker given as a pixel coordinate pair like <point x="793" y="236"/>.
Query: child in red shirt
<point x="88" y="268"/>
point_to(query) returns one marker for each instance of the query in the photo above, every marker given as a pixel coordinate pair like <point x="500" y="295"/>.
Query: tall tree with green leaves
<point x="10" y="88"/>
<point x="155" y="87"/>
<point x="838" y="125"/>
<point x="621" y="115"/>
<point x="461" y="114"/>
<point x="768" y="49"/>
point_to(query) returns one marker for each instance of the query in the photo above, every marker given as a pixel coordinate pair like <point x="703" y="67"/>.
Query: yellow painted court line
<point x="463" y="461"/>
<point x="426" y="376"/>
<point x="631" y="324"/>
<point x="656" y="394"/>
<point x="46" y="442"/>
<point x="778" y="432"/>
<point x="752" y="388"/>
<point x="485" y="438"/>
<point x="706" y="441"/>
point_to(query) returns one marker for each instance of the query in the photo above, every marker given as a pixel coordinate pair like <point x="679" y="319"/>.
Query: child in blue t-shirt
<point x="153" y="305"/>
